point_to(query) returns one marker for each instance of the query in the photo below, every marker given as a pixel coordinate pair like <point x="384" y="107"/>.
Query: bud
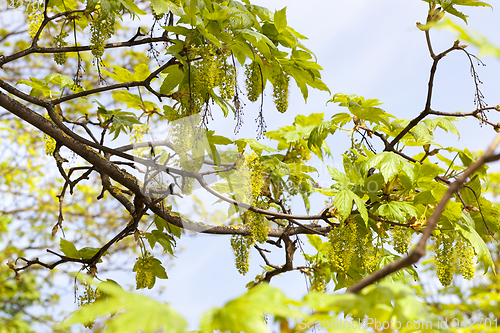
<point x="422" y="27"/>
<point x="306" y="185"/>
<point x="137" y="238"/>
<point x="434" y="152"/>
<point x="54" y="230"/>
<point x="381" y="229"/>
<point x="437" y="17"/>
<point x="472" y="208"/>
<point x="93" y="271"/>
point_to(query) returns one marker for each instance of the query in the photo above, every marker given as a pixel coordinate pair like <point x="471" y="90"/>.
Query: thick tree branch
<point x="427" y="108"/>
<point x="122" y="177"/>
<point x="464" y="114"/>
<point x="52" y="50"/>
<point x="49" y="128"/>
<point x="288" y="266"/>
<point x="145" y="83"/>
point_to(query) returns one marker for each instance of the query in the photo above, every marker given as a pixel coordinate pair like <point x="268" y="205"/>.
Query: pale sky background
<point x="366" y="47"/>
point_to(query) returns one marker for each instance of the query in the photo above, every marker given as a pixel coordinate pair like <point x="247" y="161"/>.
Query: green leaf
<point x="443" y="122"/>
<point x="421" y="135"/>
<point x="62" y="80"/>
<point x="363" y="109"/>
<point x="178" y="30"/>
<point x="209" y="36"/>
<point x="305" y="76"/>
<point x="175" y="230"/>
<point x="131" y="313"/>
<point x="319" y="134"/>
<point x="338" y="176"/>
<point x="301" y="122"/>
<point x="448" y="6"/>
<point x="38" y="86"/>
<point x="355" y="171"/>
<point x="425" y="198"/>
<point x="396" y="210"/>
<point x="360" y="204"/>
<point x="298" y="168"/>
<point x="325" y="191"/>
<point x="280" y="20"/>
<point x="390" y="164"/>
<point x="122" y="121"/>
<point x="343" y="203"/>
<point x="141" y="72"/>
<point x="132" y="100"/>
<point x="426" y="171"/>
<point x="296" y="34"/>
<point x="374" y="183"/>
<point x="151" y="240"/>
<point x="245" y="314"/>
<point x="158" y="269"/>
<point x="69" y="249"/>
<point x="172" y="77"/>
<point x="315" y="241"/>
<point x="88" y="252"/>
<point x="223" y="104"/>
<point x="217" y="139"/>
<point x="4" y="222"/>
<point x="254" y="37"/>
<point x="466" y="157"/>
<point x="340" y="119"/>
<point x="132" y="7"/>
<point x="391" y="211"/>
<point x="387" y="163"/>
<point x="160" y="223"/>
<point x="170" y="113"/>
<point x="353" y="304"/>
<point x="473" y="38"/>
<point x="121" y="75"/>
<point x="164" y="6"/>
<point x="163" y="240"/>
<point x="254" y="144"/>
<point x="277" y="166"/>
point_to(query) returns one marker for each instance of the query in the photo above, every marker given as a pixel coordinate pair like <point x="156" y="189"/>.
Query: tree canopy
<point x="112" y="149"/>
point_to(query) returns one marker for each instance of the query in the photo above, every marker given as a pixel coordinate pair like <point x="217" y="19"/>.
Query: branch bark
<point x="106" y="167"/>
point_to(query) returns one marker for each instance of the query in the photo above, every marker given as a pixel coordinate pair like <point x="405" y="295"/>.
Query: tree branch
<point x="427" y="108"/>
<point x="419" y="251"/>
<point x="52" y="50"/>
<point x="288" y="266"/>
